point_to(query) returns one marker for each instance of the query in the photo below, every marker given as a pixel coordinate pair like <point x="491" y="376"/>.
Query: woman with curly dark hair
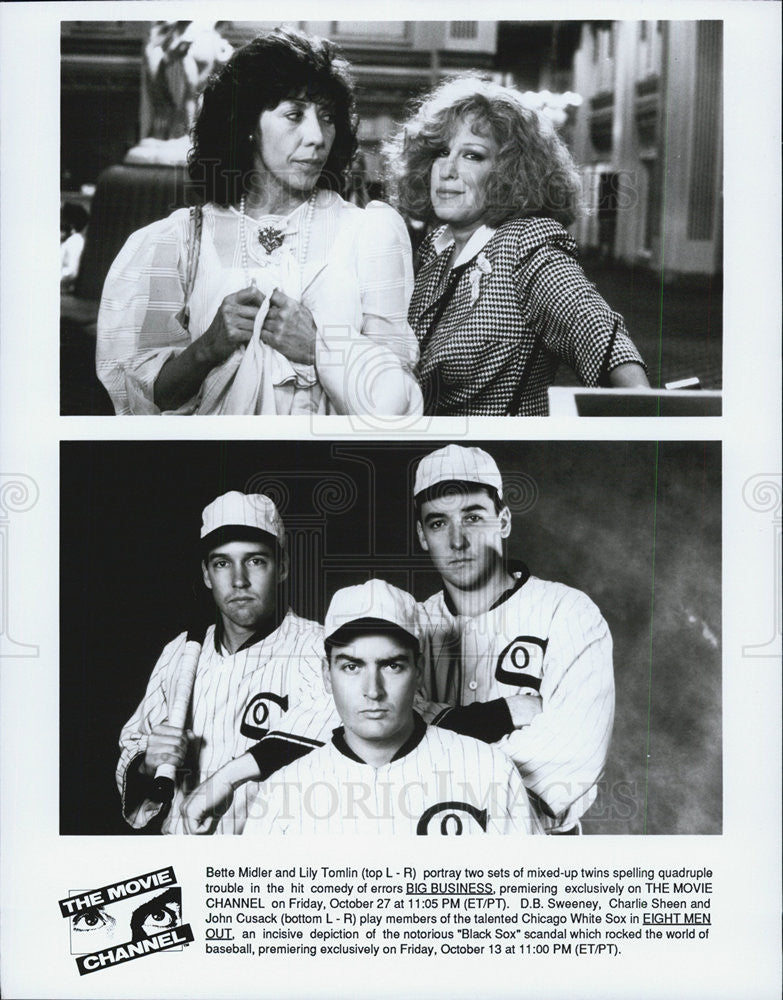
<point x="499" y="297"/>
<point x="277" y="296"/>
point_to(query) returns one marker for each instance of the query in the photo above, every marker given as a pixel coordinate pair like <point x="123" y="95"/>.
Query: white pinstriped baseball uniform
<point x="542" y="638"/>
<point x="311" y="724"/>
<point x="236" y="699"/>
<point x="437" y="783"/>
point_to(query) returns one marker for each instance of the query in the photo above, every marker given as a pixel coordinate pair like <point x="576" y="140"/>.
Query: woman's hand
<point x="233" y="323"/>
<point x="289" y="327"/>
<point x="181" y="376"/>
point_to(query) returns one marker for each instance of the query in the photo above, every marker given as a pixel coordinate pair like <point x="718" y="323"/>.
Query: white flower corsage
<point x="482" y="268"/>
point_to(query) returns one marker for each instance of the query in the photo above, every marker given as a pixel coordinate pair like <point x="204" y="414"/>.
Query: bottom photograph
<point x="436" y="638"/>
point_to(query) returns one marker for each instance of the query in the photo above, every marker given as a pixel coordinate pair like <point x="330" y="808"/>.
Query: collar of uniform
<point x="444" y="238"/>
<point x="521" y="575"/>
<point x="262" y="633"/>
<point x="419" y="730"/>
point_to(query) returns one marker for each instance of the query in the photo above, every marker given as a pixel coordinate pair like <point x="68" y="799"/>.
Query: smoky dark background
<point x="635" y="525"/>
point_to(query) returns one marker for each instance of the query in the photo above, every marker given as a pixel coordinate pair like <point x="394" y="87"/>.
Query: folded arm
<point x="562" y="752"/>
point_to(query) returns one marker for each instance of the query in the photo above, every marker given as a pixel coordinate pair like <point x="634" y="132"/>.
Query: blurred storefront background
<point x="639" y="103"/>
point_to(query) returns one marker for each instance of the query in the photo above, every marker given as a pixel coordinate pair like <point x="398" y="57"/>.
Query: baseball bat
<point x="185" y="677"/>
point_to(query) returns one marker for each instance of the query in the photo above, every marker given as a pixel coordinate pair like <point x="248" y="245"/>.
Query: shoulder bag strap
<point x="443" y="300"/>
<point x="603" y="375"/>
<point x="194" y="251"/>
<point x="516" y="400"/>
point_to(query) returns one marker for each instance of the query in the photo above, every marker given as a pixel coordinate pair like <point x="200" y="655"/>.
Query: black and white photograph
<point x="584" y="613"/>
<point x="392" y="218"/>
<point x="282" y="688"/>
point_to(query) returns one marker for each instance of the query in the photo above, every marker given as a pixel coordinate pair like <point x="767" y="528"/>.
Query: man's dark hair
<point x="368" y="626"/>
<point x="274" y="67"/>
<point x="450" y="487"/>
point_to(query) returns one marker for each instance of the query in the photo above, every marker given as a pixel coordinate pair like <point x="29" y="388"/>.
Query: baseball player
<point x="257" y="661"/>
<point x="309" y="725"/>
<point x="385" y="770"/>
<point x="508" y="657"/>
<point x="495" y="630"/>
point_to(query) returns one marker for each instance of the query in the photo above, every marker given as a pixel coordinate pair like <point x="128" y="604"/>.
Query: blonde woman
<point x="500" y="299"/>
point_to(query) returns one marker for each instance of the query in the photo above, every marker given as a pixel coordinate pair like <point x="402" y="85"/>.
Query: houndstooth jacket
<point x="519" y="306"/>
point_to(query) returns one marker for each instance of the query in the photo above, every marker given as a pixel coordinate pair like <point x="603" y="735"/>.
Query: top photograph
<point x="391" y="219"/>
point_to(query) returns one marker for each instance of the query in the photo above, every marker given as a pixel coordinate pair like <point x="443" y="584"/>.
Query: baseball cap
<point x="374" y="602"/>
<point x="455" y="463"/>
<point x="243" y="515"/>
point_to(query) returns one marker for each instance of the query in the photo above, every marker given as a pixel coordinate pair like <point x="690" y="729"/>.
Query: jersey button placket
<point x="469" y="659"/>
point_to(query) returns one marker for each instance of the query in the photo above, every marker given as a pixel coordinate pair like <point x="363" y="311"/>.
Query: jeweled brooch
<point x="270" y="238"/>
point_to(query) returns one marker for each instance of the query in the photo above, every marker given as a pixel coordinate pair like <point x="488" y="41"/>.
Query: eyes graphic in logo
<point x="521" y="663"/>
<point x="451" y="819"/>
<point x="256" y="717"/>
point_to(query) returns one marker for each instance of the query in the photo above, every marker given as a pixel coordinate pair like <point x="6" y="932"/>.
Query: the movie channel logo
<point x="125" y="920"/>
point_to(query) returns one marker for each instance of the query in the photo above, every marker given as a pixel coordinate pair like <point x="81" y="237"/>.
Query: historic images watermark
<point x="125" y="920"/>
<point x="763" y="494"/>
<point x="18" y="493"/>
